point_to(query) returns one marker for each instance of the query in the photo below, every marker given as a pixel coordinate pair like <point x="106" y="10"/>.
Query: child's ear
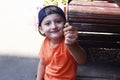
<point x="41" y="31"/>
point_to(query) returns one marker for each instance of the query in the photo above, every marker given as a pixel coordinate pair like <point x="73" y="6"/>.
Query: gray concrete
<point x="18" y="68"/>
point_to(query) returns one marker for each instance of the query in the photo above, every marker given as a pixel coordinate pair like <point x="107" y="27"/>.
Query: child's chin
<point x="57" y="37"/>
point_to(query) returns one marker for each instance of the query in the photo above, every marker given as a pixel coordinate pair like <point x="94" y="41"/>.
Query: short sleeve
<point x="41" y="52"/>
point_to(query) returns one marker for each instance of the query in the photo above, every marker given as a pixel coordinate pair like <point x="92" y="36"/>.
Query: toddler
<point x="59" y="54"/>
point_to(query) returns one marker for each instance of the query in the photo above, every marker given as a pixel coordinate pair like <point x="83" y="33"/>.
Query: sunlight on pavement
<point x="18" y="35"/>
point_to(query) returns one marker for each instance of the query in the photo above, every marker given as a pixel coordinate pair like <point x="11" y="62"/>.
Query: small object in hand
<point x="66" y="25"/>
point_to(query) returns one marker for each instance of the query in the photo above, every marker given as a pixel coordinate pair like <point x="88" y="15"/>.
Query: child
<point x="59" y="54"/>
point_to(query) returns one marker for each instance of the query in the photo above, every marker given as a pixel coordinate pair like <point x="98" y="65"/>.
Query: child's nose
<point x="53" y="25"/>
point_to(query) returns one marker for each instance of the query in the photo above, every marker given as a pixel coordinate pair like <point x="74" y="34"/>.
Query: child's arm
<point x="76" y="51"/>
<point x="40" y="71"/>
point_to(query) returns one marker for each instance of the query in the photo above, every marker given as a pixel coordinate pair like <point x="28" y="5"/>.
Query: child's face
<point x="52" y="26"/>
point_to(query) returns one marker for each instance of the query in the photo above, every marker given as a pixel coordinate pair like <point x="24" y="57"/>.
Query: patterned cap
<point x="47" y="10"/>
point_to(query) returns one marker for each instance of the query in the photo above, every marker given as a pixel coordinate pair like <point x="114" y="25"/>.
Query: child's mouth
<point x="55" y="31"/>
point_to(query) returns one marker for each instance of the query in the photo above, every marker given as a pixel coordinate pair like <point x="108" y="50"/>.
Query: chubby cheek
<point x="47" y="32"/>
<point x="61" y="30"/>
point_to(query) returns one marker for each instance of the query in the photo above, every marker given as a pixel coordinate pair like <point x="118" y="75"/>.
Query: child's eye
<point x="59" y="21"/>
<point x="47" y="23"/>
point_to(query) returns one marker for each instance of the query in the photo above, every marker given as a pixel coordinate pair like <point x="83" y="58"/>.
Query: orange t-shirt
<point x="60" y="64"/>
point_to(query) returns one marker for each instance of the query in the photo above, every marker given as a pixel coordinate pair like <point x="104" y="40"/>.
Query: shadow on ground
<point x="18" y="68"/>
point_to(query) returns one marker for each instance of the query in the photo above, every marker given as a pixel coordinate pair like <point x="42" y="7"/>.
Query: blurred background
<point x="18" y="31"/>
<point x="19" y="39"/>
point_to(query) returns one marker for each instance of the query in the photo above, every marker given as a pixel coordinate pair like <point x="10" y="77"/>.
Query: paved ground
<point x="25" y="68"/>
<point x="18" y="68"/>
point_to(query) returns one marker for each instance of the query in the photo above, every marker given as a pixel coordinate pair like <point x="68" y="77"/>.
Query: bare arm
<point x="40" y="71"/>
<point x="76" y="51"/>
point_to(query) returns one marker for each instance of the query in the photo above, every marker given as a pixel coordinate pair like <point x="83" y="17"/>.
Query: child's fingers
<point x="70" y="34"/>
<point x="74" y="33"/>
<point x="71" y="38"/>
<point x="69" y="28"/>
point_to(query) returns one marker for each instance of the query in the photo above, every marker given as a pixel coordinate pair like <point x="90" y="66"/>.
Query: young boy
<point x="59" y="54"/>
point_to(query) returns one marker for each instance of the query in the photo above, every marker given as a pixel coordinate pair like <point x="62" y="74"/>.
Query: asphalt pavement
<point x="18" y="68"/>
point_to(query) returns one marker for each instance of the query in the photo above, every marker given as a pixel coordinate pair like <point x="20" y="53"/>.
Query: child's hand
<point x="70" y="34"/>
